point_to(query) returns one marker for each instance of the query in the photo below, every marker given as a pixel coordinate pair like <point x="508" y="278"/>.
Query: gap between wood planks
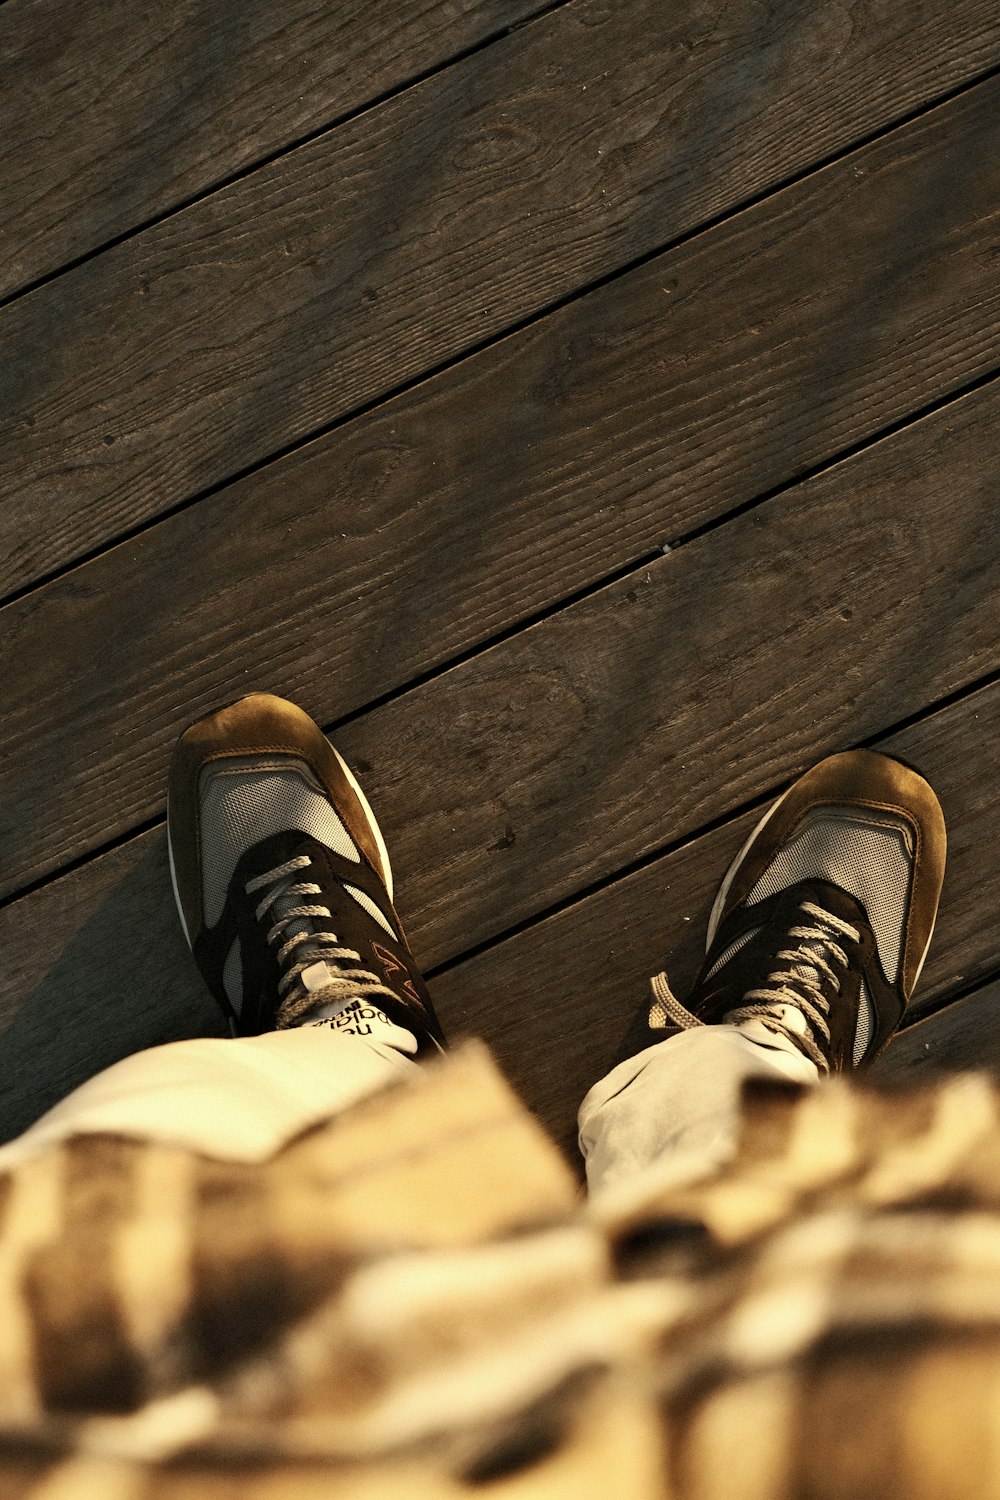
<point x="293" y="143"/>
<point x="917" y="436"/>
<point x="962" y="1033"/>
<point x="375" y="101"/>
<point x="263" y="588"/>
<point x="553" y="999"/>
<point x="453" y="362"/>
<point x="558" y="999"/>
<point x="868" y="474"/>
<point x="147" y="472"/>
<point x="71" y="933"/>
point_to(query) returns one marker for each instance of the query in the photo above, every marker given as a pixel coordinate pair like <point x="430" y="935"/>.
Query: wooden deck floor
<point x="589" y="412"/>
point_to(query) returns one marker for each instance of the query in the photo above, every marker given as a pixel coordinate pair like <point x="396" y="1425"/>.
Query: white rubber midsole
<point x="730" y="876"/>
<point x="173" y="881"/>
<point x="383" y="852"/>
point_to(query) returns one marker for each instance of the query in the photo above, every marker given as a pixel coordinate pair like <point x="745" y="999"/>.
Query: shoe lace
<point x="317" y="970"/>
<point x="797" y="980"/>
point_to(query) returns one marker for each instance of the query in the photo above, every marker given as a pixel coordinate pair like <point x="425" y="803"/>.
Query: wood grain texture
<point x="431" y="224"/>
<point x="554" y="1001"/>
<point x="614" y="729"/>
<point x="634" y="717"/>
<point x="113" y="114"/>
<point x="109" y="975"/>
<point x="557" y="1000"/>
<point x="507" y="484"/>
<point x="963" y="1036"/>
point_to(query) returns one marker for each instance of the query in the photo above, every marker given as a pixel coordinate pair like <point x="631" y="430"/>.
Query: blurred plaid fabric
<point x="415" y="1300"/>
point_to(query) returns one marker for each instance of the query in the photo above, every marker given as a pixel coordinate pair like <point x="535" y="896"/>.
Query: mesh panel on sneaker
<point x="232" y="977"/>
<point x="731" y="951"/>
<point x="368" y="905"/>
<point x="241" y="804"/>
<point x="866" y="1011"/>
<point x="872" y="858"/>
<point x="866" y="1020"/>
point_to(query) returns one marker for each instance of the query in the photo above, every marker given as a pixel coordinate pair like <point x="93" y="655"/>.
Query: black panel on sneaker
<point x="795" y="956"/>
<point x="367" y="960"/>
<point x="281" y="875"/>
<point x="823" y="921"/>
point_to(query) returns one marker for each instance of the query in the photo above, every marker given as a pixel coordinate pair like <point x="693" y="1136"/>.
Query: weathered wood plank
<point x="637" y="715"/>
<point x="435" y="222"/>
<point x="96" y="967"/>
<point x="600" y="736"/>
<point x="112" y="114"/>
<point x="344" y="571"/>
<point x="110" y="975"/>
<point x="963" y="1036"/>
<point x="556" y="1000"/>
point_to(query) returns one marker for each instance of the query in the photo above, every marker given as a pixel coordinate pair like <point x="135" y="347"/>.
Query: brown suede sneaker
<point x="823" y="921"/>
<point x="282" y="877"/>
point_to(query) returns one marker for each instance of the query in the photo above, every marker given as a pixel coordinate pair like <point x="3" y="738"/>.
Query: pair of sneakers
<point x="284" y="888"/>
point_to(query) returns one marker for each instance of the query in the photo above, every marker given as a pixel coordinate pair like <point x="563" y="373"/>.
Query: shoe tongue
<point x="316" y="977"/>
<point x="789" y="1015"/>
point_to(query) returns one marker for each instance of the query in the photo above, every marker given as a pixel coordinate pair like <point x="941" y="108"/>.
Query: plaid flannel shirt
<point x="414" y="1300"/>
